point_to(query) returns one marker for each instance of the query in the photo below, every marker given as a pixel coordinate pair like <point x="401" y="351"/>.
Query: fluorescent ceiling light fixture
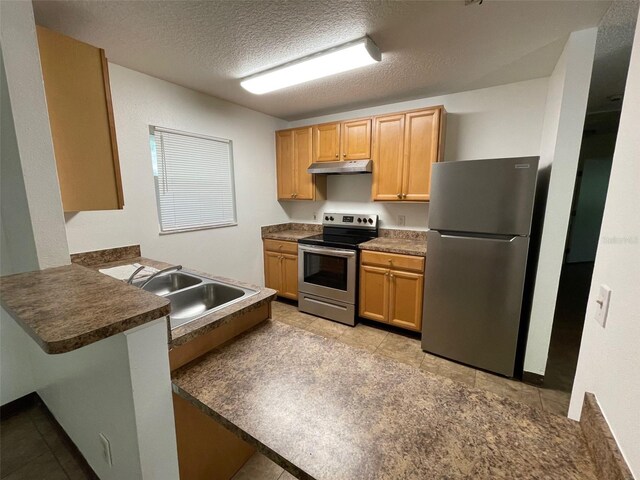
<point x="342" y="58"/>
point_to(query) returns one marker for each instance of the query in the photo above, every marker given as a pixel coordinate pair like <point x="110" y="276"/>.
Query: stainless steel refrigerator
<point x="480" y="216"/>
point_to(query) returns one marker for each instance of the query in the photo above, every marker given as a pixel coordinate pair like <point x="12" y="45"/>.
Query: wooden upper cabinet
<point x="326" y="142"/>
<point x="76" y="82"/>
<point x="294" y="153"/>
<point x="302" y="155"/>
<point x="405" y="147"/>
<point x="421" y="142"/>
<point x="337" y="141"/>
<point x="388" y="148"/>
<point x="355" y="140"/>
<point x="285" y="165"/>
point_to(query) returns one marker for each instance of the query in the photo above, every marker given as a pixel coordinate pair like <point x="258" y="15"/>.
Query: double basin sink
<point x="192" y="295"/>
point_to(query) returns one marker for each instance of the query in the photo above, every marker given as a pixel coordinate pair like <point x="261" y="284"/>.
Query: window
<point x="194" y="180"/>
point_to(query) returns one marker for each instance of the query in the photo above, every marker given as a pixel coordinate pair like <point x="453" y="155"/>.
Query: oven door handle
<point x="327" y="251"/>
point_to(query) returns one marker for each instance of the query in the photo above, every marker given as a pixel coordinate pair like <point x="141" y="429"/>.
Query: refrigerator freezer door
<point x="472" y="299"/>
<point x="484" y="196"/>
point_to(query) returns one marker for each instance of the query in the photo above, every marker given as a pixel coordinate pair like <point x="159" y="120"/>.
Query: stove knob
<point x="359" y="220"/>
<point x="371" y="220"/>
<point x="326" y="218"/>
<point x="331" y="218"/>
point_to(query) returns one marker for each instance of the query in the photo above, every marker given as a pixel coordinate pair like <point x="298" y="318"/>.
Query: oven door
<point x="327" y="272"/>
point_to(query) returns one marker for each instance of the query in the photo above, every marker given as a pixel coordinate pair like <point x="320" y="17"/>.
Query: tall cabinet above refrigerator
<point x="478" y="245"/>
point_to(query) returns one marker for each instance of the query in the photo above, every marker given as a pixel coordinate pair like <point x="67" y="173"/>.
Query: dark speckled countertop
<point x="290" y="232"/>
<point x="68" y="307"/>
<point x="324" y="410"/>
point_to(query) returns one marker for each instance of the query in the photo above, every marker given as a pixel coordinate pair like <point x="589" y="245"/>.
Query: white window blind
<point x="194" y="180"/>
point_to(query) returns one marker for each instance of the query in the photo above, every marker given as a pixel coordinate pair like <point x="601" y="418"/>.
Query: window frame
<point x="154" y="165"/>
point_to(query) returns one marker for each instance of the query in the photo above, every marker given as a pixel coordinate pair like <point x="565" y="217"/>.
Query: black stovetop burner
<point x="344" y="231"/>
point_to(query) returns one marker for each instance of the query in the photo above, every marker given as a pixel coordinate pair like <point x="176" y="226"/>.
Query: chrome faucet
<point x="156" y="274"/>
<point x="133" y="275"/>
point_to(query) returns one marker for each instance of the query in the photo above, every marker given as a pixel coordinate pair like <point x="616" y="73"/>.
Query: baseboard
<point x="532" y="378"/>
<point x="602" y="445"/>
<point x="30" y="400"/>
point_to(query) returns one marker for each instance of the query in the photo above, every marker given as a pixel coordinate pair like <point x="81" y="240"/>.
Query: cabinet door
<point x="289" y="284"/>
<point x="388" y="145"/>
<point x="374" y="293"/>
<point x="326" y="142"/>
<point x="272" y="270"/>
<point x="356" y="140"/>
<point x="405" y="299"/>
<point x="421" y="139"/>
<point x="302" y="157"/>
<point x="76" y="83"/>
<point x="285" y="165"/>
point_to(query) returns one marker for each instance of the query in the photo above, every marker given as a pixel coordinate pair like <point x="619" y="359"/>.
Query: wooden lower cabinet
<point x="206" y="449"/>
<point x="391" y="289"/>
<point x="405" y="299"/>
<point x="281" y="268"/>
<point x="374" y="293"/>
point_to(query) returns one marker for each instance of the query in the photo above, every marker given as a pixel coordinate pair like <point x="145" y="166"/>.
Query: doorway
<point x="606" y="93"/>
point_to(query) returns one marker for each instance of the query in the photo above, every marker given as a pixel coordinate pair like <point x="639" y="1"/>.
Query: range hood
<point x="341" y="167"/>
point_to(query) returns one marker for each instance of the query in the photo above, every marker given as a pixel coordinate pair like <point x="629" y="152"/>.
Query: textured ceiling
<point x="613" y="53"/>
<point x="428" y="47"/>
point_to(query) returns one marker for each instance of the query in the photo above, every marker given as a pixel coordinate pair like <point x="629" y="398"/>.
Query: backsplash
<point x="352" y="193"/>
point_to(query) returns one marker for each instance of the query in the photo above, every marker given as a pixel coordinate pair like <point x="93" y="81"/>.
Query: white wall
<point x="29" y="111"/>
<point x="503" y="121"/>
<point x="29" y="194"/>
<point x="139" y="101"/>
<point x="120" y="386"/>
<point x="560" y="146"/>
<point x="610" y="357"/>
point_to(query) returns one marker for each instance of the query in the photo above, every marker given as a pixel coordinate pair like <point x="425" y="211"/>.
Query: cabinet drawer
<point x="281" y="246"/>
<point x="393" y="260"/>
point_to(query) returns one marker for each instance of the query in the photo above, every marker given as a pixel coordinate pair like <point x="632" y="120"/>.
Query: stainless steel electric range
<point x="328" y="266"/>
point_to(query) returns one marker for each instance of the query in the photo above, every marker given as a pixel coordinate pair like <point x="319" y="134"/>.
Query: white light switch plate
<point x="604" y="295"/>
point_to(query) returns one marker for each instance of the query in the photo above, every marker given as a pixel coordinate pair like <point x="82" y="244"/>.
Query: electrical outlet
<point x="602" y="301"/>
<point x="106" y="449"/>
<point x="315" y="216"/>
<point x="402" y="220"/>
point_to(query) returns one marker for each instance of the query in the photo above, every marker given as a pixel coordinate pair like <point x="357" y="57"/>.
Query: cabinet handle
<point x="392" y="275"/>
<point x="404" y="195"/>
<point x="337" y="155"/>
<point x="344" y="155"/>
<point x="399" y="195"/>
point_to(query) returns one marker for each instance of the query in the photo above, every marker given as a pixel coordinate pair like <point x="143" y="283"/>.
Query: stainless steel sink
<point x="171" y="282"/>
<point x="193" y="296"/>
<point x="192" y="303"/>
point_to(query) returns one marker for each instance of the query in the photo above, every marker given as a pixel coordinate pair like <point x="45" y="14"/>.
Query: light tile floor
<point x="31" y="447"/>
<point x="404" y="348"/>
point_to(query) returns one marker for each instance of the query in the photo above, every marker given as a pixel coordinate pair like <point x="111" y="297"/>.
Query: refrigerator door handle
<point x="492" y="238"/>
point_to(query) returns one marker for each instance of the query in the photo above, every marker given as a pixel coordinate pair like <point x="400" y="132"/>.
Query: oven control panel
<point x="356" y="220"/>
